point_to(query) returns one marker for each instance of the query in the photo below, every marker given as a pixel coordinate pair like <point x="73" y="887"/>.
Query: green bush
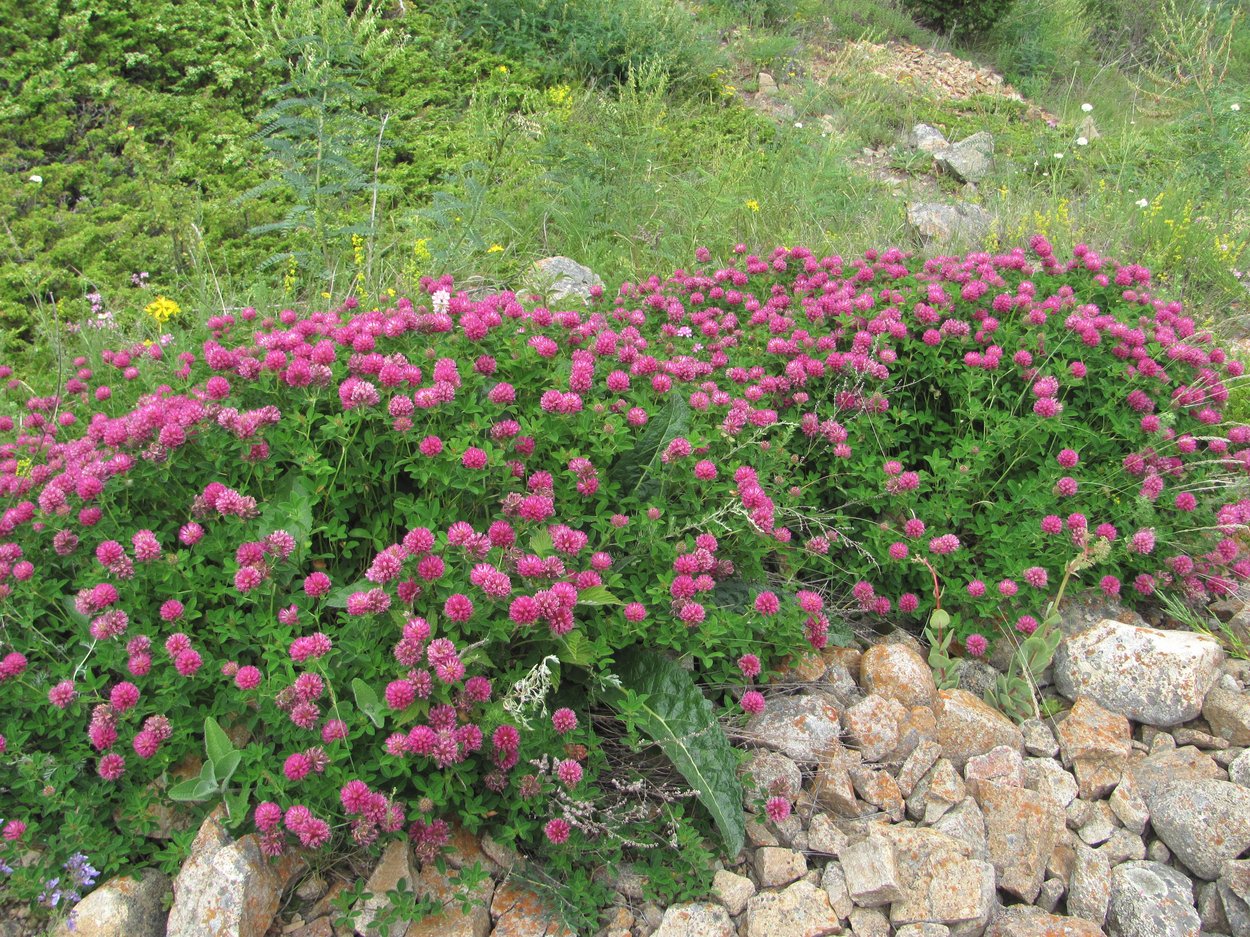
<point x="961" y="18"/>
<point x="599" y="41"/>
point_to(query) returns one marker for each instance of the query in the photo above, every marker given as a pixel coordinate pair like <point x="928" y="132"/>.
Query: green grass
<point x="612" y="132"/>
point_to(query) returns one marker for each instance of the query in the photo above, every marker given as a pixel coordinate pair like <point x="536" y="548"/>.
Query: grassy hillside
<point x="233" y="151"/>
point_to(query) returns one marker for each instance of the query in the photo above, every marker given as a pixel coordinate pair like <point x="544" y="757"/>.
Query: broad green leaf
<point x="940" y="619"/>
<point x="236" y="805"/>
<point x="577" y="649"/>
<point x="541" y="543"/>
<point x="189" y="791"/>
<point x="634" y="470"/>
<point x="597" y="595"/>
<point x="367" y="701"/>
<point x="680" y="719"/>
<point x="216" y="743"/>
<point x="225" y="766"/>
<point x="338" y="598"/>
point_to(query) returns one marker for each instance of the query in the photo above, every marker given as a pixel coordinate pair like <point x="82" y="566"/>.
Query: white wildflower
<point x="1087" y="107"/>
<point x="1082" y="141"/>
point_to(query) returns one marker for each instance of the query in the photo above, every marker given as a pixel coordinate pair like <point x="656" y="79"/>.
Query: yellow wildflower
<point x="753" y="204"/>
<point x="494" y="249"/>
<point x="161" y="309"/>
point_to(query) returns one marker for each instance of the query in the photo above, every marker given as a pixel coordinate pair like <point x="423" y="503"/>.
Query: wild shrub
<point x="361" y="572"/>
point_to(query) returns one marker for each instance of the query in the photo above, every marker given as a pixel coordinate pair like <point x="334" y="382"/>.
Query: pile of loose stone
<point x="918" y="812"/>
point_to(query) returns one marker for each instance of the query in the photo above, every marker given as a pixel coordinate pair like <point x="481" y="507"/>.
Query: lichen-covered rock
<point x="969" y="160"/>
<point x="872" y="726"/>
<point x="805" y="728"/>
<point x="1151" y="900"/>
<point x="1157" y="677"/>
<point x="695" y="920"/>
<point x="1228" y="714"/>
<point x="1090" y="888"/>
<point x="776" y="866"/>
<point x="802" y="910"/>
<point x="395" y="864"/>
<point x="1023" y="921"/>
<point x="941" y="224"/>
<point x="897" y="672"/>
<point x="1202" y="822"/>
<point x="518" y="912"/>
<point x="226" y="888"/>
<point x="455" y="921"/>
<point x="769" y="774"/>
<point x="1096" y="743"/>
<point x="732" y="890"/>
<point x="122" y="907"/>
<point x="1021" y="829"/>
<point x="968" y="726"/>
<point x="872" y="874"/>
<point x="561" y="278"/>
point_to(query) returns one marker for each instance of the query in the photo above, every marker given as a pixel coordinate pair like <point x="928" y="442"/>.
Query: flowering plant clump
<point x="404" y="556"/>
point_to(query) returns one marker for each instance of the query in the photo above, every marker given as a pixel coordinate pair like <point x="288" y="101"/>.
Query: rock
<point x="967" y="727"/>
<point x="1096" y="743"/>
<point x="759" y="834"/>
<point x="1203" y="823"/>
<point x="1099" y="826"/>
<point x="319" y="927"/>
<point x="926" y="139"/>
<point x="805" y="728"/>
<point x="1157" y="851"/>
<point x="917" y="765"/>
<point x="872" y="875"/>
<point x="226" y="888"/>
<point x="1087" y="129"/>
<point x="834" y="790"/>
<point x="969" y="160"/>
<point x="1021" y="829"/>
<point x="966" y="823"/>
<point x="696" y="920"/>
<point x="1210" y="908"/>
<point x="1225" y="757"/>
<point x="767" y="84"/>
<point x="769" y="774"/>
<point x="1233" y="889"/>
<point x="519" y="912"/>
<point x="395" y="864"/>
<point x="122" y="907"/>
<point x="454" y="921"/>
<point x="1129" y="806"/>
<point x="1228" y="714"/>
<point x="872" y="726"/>
<point x="1151" y="676"/>
<point x="917" y="727"/>
<point x="941" y="224"/>
<point x="898" y="672"/>
<point x="953" y="891"/>
<point x="1185" y="735"/>
<point x="1163" y="767"/>
<point x="869" y="922"/>
<point x="1090" y="888"/>
<point x="1239" y="770"/>
<point x="923" y="930"/>
<point x="833" y="881"/>
<point x="1151" y="900"/>
<point x="1023" y="921"/>
<point x="824" y="836"/>
<point x="978" y="677"/>
<point x="560" y="278"/>
<point x="1123" y="846"/>
<point x="1002" y="765"/>
<point x="1039" y="740"/>
<point x="1047" y="777"/>
<point x="802" y="910"/>
<point x="879" y="789"/>
<point x="1050" y="894"/>
<point x="505" y="857"/>
<point x="944" y="789"/>
<point x="776" y="867"/>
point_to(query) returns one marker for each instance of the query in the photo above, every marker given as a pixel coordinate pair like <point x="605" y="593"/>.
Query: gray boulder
<point x="1151" y="900"/>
